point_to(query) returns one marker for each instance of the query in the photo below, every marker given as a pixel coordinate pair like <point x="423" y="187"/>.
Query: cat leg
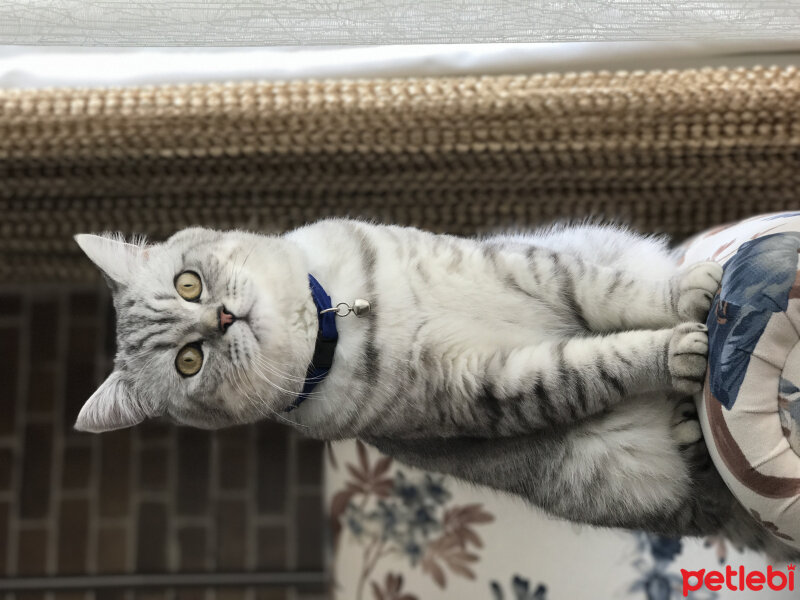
<point x="556" y="383"/>
<point x="603" y="298"/>
<point x="622" y="469"/>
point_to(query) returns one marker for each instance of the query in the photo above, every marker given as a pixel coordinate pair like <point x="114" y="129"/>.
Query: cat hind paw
<point x="685" y="426"/>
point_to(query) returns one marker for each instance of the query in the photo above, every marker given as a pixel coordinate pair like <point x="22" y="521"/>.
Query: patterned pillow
<point x="750" y="407"/>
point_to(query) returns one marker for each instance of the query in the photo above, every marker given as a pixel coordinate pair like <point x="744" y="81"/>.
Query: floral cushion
<point x="750" y="407"/>
<point x="403" y="534"/>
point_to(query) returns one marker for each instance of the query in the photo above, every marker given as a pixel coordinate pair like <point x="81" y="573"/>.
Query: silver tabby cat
<point x="553" y="365"/>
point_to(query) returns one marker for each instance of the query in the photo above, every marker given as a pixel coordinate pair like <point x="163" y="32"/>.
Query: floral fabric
<point x="402" y="534"/>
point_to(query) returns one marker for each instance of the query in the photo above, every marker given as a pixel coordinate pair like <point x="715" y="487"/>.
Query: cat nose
<point x="224" y="318"/>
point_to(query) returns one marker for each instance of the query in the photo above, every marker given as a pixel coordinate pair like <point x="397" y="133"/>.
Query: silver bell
<point x="360" y="307"/>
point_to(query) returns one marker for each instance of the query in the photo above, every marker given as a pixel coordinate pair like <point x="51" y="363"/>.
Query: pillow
<point x="750" y="405"/>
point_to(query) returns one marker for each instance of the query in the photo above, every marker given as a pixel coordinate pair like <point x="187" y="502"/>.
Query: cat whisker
<point x="263" y="408"/>
<point x="266" y="379"/>
<point x="265" y="364"/>
<point x="255" y="397"/>
<point x="239" y="384"/>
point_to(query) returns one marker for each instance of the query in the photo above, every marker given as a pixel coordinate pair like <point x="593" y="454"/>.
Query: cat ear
<point x="112" y="406"/>
<point x="113" y="256"/>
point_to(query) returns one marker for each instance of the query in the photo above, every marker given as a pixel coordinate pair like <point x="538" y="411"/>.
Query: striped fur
<point x="545" y="364"/>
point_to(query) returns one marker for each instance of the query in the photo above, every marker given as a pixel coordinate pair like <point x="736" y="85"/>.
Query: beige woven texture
<point x="666" y="151"/>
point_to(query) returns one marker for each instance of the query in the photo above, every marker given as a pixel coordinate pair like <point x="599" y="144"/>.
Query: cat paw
<point x="688" y="357"/>
<point x="688" y="434"/>
<point x="696" y="287"/>
<point x="685" y="426"/>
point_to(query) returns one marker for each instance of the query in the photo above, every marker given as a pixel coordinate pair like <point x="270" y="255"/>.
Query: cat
<point x="554" y="365"/>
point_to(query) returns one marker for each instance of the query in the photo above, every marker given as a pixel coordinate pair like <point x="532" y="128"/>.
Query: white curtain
<point x="325" y="22"/>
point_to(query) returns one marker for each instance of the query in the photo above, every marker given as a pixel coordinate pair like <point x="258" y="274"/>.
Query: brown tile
<point x="6" y="468"/>
<point x="73" y="536"/>
<point x="43" y="331"/>
<point x="84" y="304"/>
<point x="107" y="594"/>
<point x="115" y="458"/>
<point x="151" y="538"/>
<point x="5" y="515"/>
<point x="271" y="548"/>
<point x="194" y="457"/>
<point x="312" y="592"/>
<point x="82" y="344"/>
<point x="270" y="593"/>
<point x="309" y="461"/>
<point x="112" y="550"/>
<point x="72" y="595"/>
<point x="9" y="366"/>
<point x="192" y="546"/>
<point x="36" y="464"/>
<point x="77" y="467"/>
<point x="153" y="463"/>
<point x="32" y="552"/>
<point x="154" y="430"/>
<point x="41" y="389"/>
<point x="155" y="594"/>
<point x="80" y="380"/>
<point x="191" y="594"/>
<point x="79" y="385"/>
<point x="30" y="596"/>
<point x="309" y="526"/>
<point x="272" y="448"/>
<point x="231" y="535"/>
<point x="233" y="446"/>
<point x="10" y="305"/>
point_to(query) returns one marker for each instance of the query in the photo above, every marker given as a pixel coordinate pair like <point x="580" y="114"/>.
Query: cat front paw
<point x="688" y="357"/>
<point x="696" y="287"/>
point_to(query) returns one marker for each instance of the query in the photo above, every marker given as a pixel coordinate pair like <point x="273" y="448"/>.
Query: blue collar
<point x="327" y="336"/>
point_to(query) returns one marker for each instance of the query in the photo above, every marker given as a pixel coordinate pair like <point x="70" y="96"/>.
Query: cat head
<point x="213" y="329"/>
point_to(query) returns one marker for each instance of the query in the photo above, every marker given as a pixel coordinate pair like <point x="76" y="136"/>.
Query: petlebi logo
<point x="738" y="579"/>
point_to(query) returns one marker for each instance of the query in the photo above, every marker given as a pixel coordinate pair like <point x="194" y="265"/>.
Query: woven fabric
<point x="674" y="151"/>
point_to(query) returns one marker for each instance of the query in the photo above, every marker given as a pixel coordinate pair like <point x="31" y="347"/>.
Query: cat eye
<point x="189" y="360"/>
<point x="189" y="286"/>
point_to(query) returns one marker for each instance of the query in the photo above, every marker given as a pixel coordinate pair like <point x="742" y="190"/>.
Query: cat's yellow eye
<point x="189" y="286"/>
<point x="189" y="360"/>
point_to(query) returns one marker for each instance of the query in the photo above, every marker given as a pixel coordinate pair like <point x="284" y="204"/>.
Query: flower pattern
<point x="653" y="560"/>
<point x="392" y="589"/>
<point x="407" y="536"/>
<point x="520" y="590"/>
<point x="390" y="513"/>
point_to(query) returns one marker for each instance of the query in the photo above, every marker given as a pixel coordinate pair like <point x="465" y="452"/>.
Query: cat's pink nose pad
<point x="225" y="319"/>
